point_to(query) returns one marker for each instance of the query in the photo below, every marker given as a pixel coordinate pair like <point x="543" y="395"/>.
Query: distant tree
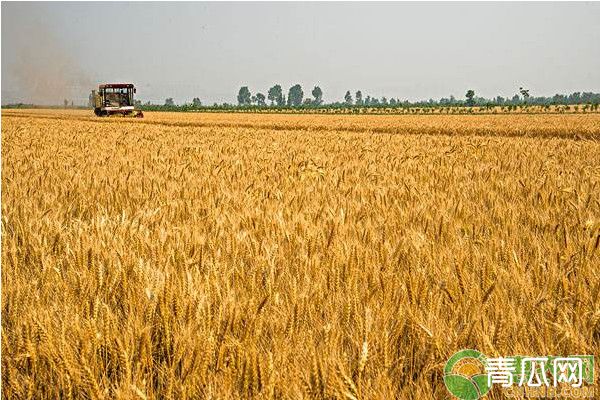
<point x="348" y="98"/>
<point x="295" y="96"/>
<point x="384" y="100"/>
<point x="368" y="100"/>
<point x="196" y="102"/>
<point x="393" y="101"/>
<point x="524" y="93"/>
<point x="169" y="102"/>
<point x="317" y="93"/>
<point x="244" y="97"/>
<point x="470" y="95"/>
<point x="575" y="98"/>
<point x="253" y="99"/>
<point x="275" y="94"/>
<point x="66" y="102"/>
<point x="260" y="99"/>
<point x="137" y="103"/>
<point x="358" y="98"/>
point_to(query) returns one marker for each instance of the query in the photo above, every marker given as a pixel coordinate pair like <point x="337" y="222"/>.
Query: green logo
<point x="465" y="375"/>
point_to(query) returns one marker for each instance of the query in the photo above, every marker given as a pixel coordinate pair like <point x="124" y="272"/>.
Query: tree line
<point x="276" y="97"/>
<point x="296" y="98"/>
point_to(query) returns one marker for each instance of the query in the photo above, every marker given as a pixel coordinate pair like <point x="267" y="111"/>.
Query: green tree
<point x="358" y="98"/>
<point x="348" y="98"/>
<point x="318" y="95"/>
<point x="244" y="97"/>
<point x="196" y="102"/>
<point x="275" y="94"/>
<point x="295" y="96"/>
<point x="169" y="102"/>
<point x="470" y="95"/>
<point x="260" y="99"/>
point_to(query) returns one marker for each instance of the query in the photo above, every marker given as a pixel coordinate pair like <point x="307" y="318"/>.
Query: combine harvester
<point x="115" y="99"/>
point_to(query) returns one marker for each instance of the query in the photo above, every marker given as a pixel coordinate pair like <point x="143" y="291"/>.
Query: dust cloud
<point x="44" y="71"/>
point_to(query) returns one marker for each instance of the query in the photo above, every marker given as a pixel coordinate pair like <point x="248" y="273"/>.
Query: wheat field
<point x="230" y="256"/>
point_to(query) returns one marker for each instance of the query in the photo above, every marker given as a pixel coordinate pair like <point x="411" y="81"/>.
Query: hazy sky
<point x="404" y="50"/>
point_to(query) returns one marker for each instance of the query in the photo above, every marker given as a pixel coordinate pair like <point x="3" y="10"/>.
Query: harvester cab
<point x="115" y="99"/>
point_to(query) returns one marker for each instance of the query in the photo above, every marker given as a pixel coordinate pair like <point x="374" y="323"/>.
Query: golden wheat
<point x="307" y="256"/>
